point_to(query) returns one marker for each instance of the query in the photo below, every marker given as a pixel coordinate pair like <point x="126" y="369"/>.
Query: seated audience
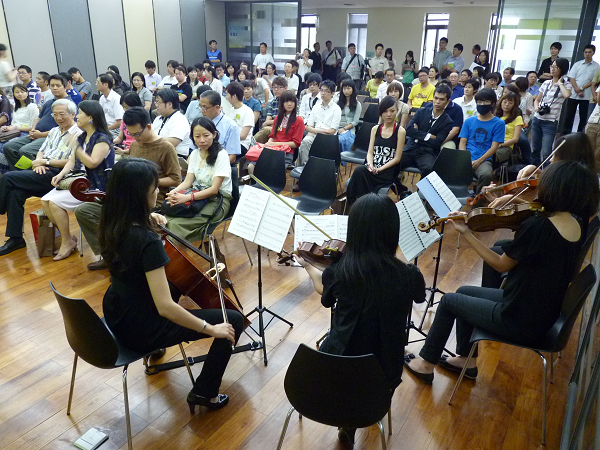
<point x="125" y="139"/>
<point x="383" y="156"/>
<point x="138" y="85"/>
<point x="456" y="114"/>
<point x="194" y="109"/>
<point x="467" y="101"/>
<point x="212" y="80"/>
<point x="209" y="172"/>
<point x="508" y="110"/>
<point x="241" y="114"/>
<point x="479" y="73"/>
<point x="526" y="100"/>
<point x="222" y="76"/>
<point x="147" y="145"/>
<point x="230" y="70"/>
<point x="481" y="135"/>
<point x="279" y="86"/>
<point x="507" y="76"/>
<point x="111" y="103"/>
<point x="532" y="87"/>
<point x="269" y="74"/>
<point x="250" y="101"/>
<point x="351" y="109"/>
<point x="170" y="79"/>
<point x="194" y="81"/>
<point x="465" y="75"/>
<point x="434" y="76"/>
<point x="309" y="101"/>
<point x="491" y="82"/>
<point x="120" y="82"/>
<point x="18" y="185"/>
<point x="457" y="89"/>
<point x="292" y="80"/>
<point x="43" y="82"/>
<point x="422" y="92"/>
<point x="324" y="119"/>
<point x="390" y="77"/>
<point x="25" y="75"/>
<point x="183" y="88"/>
<point x="80" y="85"/>
<point x="374" y="83"/>
<point x="427" y="131"/>
<point x="229" y="133"/>
<point x="262" y="92"/>
<point x="170" y="123"/>
<point x="30" y="145"/>
<point x="95" y="151"/>
<point x="152" y="78"/>
<point x="396" y="90"/>
<point x="75" y="96"/>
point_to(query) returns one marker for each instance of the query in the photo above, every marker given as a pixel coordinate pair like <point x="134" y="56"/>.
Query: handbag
<point x="187" y="209"/>
<point x="65" y="183"/>
<point x="8" y="135"/>
<point x="254" y="152"/>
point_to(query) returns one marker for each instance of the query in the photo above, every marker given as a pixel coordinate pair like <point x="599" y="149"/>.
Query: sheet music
<point x="275" y="223"/>
<point x="250" y="208"/>
<point x="412" y="241"/>
<point x="335" y="226"/>
<point x="438" y="195"/>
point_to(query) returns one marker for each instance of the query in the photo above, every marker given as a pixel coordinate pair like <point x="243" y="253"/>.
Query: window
<point x="436" y="27"/>
<point x="357" y="32"/>
<point x="308" y="34"/>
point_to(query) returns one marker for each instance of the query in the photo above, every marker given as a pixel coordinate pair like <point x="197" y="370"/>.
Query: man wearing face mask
<point x="481" y="135"/>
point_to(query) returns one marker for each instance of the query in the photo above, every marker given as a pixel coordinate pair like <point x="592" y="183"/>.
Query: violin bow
<point x="213" y="250"/>
<point x="290" y="206"/>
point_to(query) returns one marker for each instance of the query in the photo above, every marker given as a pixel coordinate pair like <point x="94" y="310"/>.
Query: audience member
<point x="331" y="61"/>
<point x="475" y="51"/>
<point x="581" y="75"/>
<point x="183" y="88"/>
<point x="230" y="70"/>
<point x="43" y="82"/>
<point x="409" y="69"/>
<point x="152" y="78"/>
<point x="75" y="96"/>
<point x="456" y="61"/>
<point x="25" y="74"/>
<point x="170" y="79"/>
<point x="457" y="89"/>
<point x="309" y="101"/>
<point x="79" y="84"/>
<point x="378" y="64"/>
<point x="261" y="60"/>
<point x="508" y="110"/>
<point x="479" y="72"/>
<point x="491" y="82"/>
<point x="214" y="55"/>
<point x="396" y="90"/>
<point x="194" y="81"/>
<point x="507" y="76"/>
<point x="532" y="87"/>
<point x="374" y="83"/>
<point x="433" y="75"/>
<point x="442" y="55"/>
<point x="18" y="185"/>
<point x="138" y="85"/>
<point x="351" y="109"/>
<point x="467" y="101"/>
<point x="212" y="80"/>
<point x="23" y="118"/>
<point x="305" y="63"/>
<point x="481" y="135"/>
<point x="547" y="106"/>
<point x="241" y="114"/>
<point x="526" y="100"/>
<point x="8" y="74"/>
<point x="390" y="77"/>
<point x="465" y="75"/>
<point x="592" y="130"/>
<point x="544" y="72"/>
<point x="279" y="86"/>
<point x="229" y="133"/>
<point x="315" y="55"/>
<point x="422" y="92"/>
<point x="110" y="102"/>
<point x="455" y="112"/>
<point x="291" y="79"/>
<point x="482" y="60"/>
<point x="250" y="101"/>
<point x="194" y="109"/>
<point x="353" y="64"/>
<point x="222" y="75"/>
<point x="170" y="123"/>
<point x="270" y="74"/>
<point x="389" y="55"/>
<point x="122" y="142"/>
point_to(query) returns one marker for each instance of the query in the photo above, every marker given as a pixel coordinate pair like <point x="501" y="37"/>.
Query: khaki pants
<point x="263" y="135"/>
<point x="593" y="132"/>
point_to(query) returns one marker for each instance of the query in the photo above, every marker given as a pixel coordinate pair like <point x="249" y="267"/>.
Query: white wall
<point x="402" y="28"/>
<point x="215" y="25"/>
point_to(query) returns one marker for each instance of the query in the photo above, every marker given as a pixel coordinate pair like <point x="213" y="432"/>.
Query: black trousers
<point x="420" y="157"/>
<point x="16" y="187"/>
<point x="571" y="106"/>
<point x="329" y="73"/>
<point x="490" y="277"/>
<point x="362" y="182"/>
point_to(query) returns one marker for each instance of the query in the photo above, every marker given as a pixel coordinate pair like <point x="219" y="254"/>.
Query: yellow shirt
<point x="418" y="95"/>
<point x="510" y="128"/>
<point x="372" y="87"/>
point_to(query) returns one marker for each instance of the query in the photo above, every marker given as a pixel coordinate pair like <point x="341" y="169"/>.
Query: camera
<point x="544" y="109"/>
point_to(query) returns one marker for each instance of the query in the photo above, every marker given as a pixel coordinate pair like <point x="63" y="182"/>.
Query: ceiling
<point x="312" y="4"/>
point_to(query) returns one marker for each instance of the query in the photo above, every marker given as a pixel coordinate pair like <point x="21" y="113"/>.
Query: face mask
<point x="484" y="109"/>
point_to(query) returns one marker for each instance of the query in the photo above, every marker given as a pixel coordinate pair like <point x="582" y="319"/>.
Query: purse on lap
<point x="187" y="209"/>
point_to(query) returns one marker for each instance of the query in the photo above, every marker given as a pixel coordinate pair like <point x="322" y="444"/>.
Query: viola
<point x="489" y="219"/>
<point x="322" y="255"/>
<point x="80" y="189"/>
<point x="507" y="189"/>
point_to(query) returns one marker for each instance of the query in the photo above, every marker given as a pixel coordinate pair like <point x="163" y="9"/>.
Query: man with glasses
<point x="170" y="123"/>
<point x="29" y="145"/>
<point x="311" y="98"/>
<point x="25" y="75"/>
<point x="147" y="145"/>
<point x="279" y="86"/>
<point x="324" y="119"/>
<point x="229" y="133"/>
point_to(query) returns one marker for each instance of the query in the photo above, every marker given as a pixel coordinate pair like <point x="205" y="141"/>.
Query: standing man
<point x="79" y="84"/>
<point x="353" y="65"/>
<point x="261" y="60"/>
<point x="380" y="63"/>
<point x="25" y="74"/>
<point x="315" y="55"/>
<point x="442" y="55"/>
<point x="331" y="61"/>
<point x="214" y="55"/>
<point x="580" y="76"/>
<point x="475" y="51"/>
<point x="111" y="103"/>
<point x="544" y="72"/>
<point x="455" y="62"/>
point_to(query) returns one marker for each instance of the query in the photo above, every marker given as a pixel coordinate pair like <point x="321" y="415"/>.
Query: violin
<point x="489" y="219"/>
<point x="507" y="189"/>
<point x="322" y="255"/>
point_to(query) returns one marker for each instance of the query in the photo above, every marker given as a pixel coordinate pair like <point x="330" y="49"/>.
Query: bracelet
<point x="192" y="196"/>
<point x="203" y="327"/>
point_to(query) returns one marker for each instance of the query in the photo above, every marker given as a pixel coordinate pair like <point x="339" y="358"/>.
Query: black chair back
<point x="327" y="146"/>
<point x="363" y="137"/>
<point x="235" y="192"/>
<point x="318" y="179"/>
<point x="372" y="113"/>
<point x="270" y="169"/>
<point x="592" y="231"/>
<point x="88" y="335"/>
<point x="348" y="391"/>
<point x="455" y="169"/>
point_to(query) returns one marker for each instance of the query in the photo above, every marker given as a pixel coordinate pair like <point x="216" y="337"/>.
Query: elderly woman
<point x="95" y="151"/>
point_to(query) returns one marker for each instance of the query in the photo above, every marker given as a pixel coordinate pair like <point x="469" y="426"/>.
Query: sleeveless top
<point x="99" y="175"/>
<point x="384" y="149"/>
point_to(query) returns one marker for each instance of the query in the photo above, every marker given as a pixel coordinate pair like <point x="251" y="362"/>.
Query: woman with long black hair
<point x="351" y="109"/>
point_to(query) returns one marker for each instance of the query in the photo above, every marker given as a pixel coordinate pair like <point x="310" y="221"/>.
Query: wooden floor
<point x="501" y="410"/>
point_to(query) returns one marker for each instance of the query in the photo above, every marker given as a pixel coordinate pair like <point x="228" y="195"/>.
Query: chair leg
<point x="72" y="385"/>
<point x="285" y="425"/>
<point x="81" y="242"/>
<point x="382" y="433"/>
<point x="390" y="421"/>
<point x="187" y="363"/>
<point x="127" y="419"/>
<point x="551" y="368"/>
<point x="462" y="373"/>
<point x="544" y="400"/>
<point x="458" y="244"/>
<point x="247" y="252"/>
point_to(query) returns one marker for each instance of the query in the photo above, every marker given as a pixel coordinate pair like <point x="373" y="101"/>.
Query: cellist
<point x="138" y="306"/>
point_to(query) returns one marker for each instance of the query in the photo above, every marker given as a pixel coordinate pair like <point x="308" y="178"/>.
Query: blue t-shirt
<point x="481" y="134"/>
<point x="46" y="122"/>
<point x="253" y="104"/>
<point x="212" y="56"/>
<point x="457" y="91"/>
<point x="75" y="96"/>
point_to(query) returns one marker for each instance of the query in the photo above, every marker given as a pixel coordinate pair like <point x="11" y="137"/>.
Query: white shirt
<point x="45" y="97"/>
<point x="293" y="83"/>
<point x="380" y="64"/>
<point x="304" y="67"/>
<point x="261" y="60"/>
<point x="111" y="105"/>
<point x="243" y="117"/>
<point x="325" y="116"/>
<point x="204" y="173"/>
<point x="216" y="85"/>
<point x="259" y="90"/>
<point x="469" y="109"/>
<point x="583" y="73"/>
<point x="174" y="126"/>
<point x="382" y="90"/>
<point x="25" y="116"/>
<point x="152" y="81"/>
<point x="595" y="117"/>
<point x="307" y="104"/>
<point x="167" y="82"/>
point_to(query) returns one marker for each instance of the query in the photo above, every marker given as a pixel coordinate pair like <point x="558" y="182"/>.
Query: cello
<point x="182" y="271"/>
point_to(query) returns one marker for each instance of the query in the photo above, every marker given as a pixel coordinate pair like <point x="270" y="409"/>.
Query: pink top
<point x="128" y="138"/>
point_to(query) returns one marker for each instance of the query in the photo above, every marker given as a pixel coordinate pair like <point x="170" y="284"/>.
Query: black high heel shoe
<point x="195" y="399"/>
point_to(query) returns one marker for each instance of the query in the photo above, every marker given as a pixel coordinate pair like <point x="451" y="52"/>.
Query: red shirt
<point x="295" y="134"/>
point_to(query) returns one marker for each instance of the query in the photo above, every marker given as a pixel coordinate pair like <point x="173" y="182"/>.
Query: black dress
<point x="132" y="316"/>
<point x="364" y="324"/>
<point x="362" y="181"/>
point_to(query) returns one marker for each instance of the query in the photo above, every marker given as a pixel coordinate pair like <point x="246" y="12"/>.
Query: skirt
<point x="63" y="199"/>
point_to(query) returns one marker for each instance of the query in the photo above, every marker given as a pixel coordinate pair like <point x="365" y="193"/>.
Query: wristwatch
<point x="47" y="162"/>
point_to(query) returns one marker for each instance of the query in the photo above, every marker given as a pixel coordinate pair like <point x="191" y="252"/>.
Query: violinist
<point x="138" y="306"/>
<point x="540" y="263"/>
<point x="371" y="289"/>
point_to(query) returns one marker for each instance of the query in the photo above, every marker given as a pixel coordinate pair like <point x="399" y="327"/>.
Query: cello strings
<point x="218" y="276"/>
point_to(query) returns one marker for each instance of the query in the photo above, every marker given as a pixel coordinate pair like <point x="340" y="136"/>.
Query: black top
<point x="377" y="325"/>
<point x="440" y="128"/>
<point x="316" y="59"/>
<point x="186" y="90"/>
<point x="384" y="149"/>
<point x="536" y="286"/>
<point x="545" y="67"/>
<point x="128" y="305"/>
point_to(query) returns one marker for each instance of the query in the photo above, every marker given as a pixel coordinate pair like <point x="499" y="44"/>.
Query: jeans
<point x="543" y="133"/>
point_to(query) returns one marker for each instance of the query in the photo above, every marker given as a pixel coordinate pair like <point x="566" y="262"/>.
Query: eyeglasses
<point x="325" y="91"/>
<point x="60" y="114"/>
<point x="277" y="88"/>
<point x="136" y="135"/>
<point x="206" y="108"/>
<point x="158" y="102"/>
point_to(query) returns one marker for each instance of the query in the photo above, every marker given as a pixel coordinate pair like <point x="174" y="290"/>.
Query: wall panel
<point x="194" y="31"/>
<point x="108" y="34"/>
<point x="139" y="32"/>
<point x="216" y="27"/>
<point x="167" y="21"/>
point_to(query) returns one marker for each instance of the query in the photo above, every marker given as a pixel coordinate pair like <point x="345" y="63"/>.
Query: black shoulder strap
<point x="350" y="62"/>
<point x="330" y="53"/>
